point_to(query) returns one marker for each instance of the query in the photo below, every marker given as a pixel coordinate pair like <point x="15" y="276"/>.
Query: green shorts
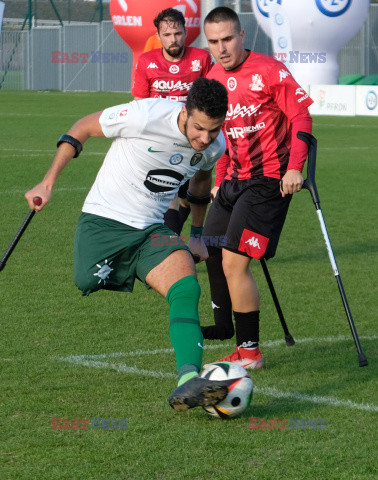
<point x="111" y="255"/>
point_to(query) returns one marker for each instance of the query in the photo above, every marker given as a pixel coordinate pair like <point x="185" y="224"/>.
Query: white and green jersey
<point x="147" y="162"/>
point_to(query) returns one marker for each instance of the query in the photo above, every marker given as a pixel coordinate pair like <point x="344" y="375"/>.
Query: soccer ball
<point x="240" y="388"/>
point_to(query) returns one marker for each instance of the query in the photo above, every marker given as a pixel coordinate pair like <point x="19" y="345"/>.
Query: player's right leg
<point x="175" y="279"/>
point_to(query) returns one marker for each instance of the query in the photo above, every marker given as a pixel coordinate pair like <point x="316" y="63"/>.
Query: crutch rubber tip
<point x="362" y="360"/>
<point x="289" y="340"/>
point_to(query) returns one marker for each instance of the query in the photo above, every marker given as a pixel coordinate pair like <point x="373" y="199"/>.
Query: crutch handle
<point x="309" y="183"/>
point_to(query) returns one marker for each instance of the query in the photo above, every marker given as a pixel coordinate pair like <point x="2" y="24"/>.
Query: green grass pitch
<point x="108" y="356"/>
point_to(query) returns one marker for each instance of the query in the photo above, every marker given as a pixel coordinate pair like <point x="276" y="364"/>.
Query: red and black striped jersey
<point x="263" y="100"/>
<point x="157" y="77"/>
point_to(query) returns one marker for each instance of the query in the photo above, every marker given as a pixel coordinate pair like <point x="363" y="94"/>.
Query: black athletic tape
<point x="72" y="141"/>
<point x="198" y="200"/>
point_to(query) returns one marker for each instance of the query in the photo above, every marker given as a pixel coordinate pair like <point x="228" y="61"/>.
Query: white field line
<point x="267" y="344"/>
<point x="94" y="361"/>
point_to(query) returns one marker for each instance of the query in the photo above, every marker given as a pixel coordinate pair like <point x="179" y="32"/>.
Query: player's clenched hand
<point x="198" y="249"/>
<point x="41" y="191"/>
<point x="291" y="182"/>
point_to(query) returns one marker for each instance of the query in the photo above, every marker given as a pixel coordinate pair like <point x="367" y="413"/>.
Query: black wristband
<point x="198" y="200"/>
<point x="72" y="141"/>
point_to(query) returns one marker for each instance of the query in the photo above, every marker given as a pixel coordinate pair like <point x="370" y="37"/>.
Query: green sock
<point x="184" y="326"/>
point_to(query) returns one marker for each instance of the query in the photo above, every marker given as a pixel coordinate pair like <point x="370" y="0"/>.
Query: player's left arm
<point x="199" y="197"/>
<point x="292" y="181"/>
<point x="294" y="101"/>
<point x="199" y="188"/>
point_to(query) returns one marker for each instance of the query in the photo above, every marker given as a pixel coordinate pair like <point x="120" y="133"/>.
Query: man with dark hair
<point x="120" y="237"/>
<point x="169" y="72"/>
<point x="256" y="178"/>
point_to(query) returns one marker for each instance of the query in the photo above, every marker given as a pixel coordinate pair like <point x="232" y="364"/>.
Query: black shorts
<point x="247" y="216"/>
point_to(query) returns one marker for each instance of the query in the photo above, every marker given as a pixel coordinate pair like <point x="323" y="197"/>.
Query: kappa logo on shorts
<point x="103" y="271"/>
<point x="253" y="244"/>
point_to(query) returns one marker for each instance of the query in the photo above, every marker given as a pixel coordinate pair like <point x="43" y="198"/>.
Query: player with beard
<point x="169" y="72"/>
<point x="256" y="179"/>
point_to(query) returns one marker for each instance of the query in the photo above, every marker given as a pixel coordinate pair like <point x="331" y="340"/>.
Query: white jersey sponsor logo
<point x="196" y="66"/>
<point x="257" y="83"/>
<point x="167" y="86"/>
<point x="232" y="84"/>
<point x="241" y="111"/>
<point x="174" y="69"/>
<point x="283" y="74"/>
<point x="152" y="65"/>
<point x="254" y="242"/>
<point x="238" y="132"/>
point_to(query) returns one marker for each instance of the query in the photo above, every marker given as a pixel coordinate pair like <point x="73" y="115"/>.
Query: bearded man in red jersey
<point x="169" y="72"/>
<point x="256" y="178"/>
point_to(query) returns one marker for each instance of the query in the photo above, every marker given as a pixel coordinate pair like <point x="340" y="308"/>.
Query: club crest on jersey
<point x="176" y="159"/>
<point x="174" y="68"/>
<point x="283" y="74"/>
<point x="196" y="66"/>
<point x="232" y="84"/>
<point x="257" y="83"/>
<point x="196" y="158"/>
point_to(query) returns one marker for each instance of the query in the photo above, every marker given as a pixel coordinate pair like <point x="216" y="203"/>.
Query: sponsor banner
<point x="367" y="100"/>
<point x="333" y="100"/>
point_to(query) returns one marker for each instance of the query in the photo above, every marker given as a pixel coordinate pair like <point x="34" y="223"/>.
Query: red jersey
<point x="157" y="77"/>
<point x="263" y="99"/>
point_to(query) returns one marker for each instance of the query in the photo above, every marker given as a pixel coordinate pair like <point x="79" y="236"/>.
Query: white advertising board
<point x="333" y="100"/>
